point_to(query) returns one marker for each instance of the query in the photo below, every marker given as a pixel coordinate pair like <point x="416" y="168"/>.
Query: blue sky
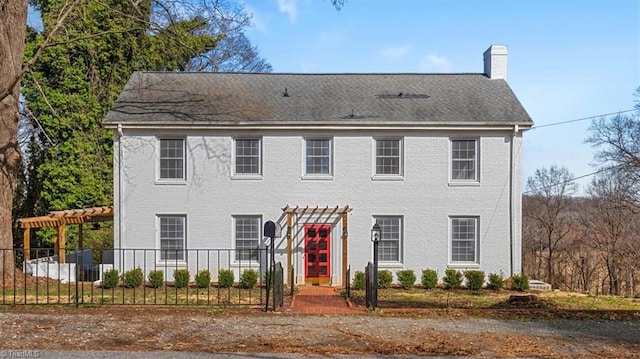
<point x="567" y="59"/>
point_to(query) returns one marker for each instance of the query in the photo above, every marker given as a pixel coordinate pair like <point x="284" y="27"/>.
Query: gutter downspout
<point x="511" y="201"/>
<point x="120" y="135"/>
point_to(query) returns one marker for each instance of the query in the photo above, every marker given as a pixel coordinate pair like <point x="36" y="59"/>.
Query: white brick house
<point x="203" y="160"/>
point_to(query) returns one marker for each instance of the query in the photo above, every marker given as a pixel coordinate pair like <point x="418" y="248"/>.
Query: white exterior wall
<point x="424" y="197"/>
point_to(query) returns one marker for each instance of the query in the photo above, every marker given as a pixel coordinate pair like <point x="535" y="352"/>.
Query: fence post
<point x="347" y="282"/>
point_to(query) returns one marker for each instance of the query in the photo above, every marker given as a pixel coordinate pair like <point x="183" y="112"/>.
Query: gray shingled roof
<point x="237" y="99"/>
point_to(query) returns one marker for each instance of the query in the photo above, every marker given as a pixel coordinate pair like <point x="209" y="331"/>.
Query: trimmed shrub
<point x="452" y="278"/>
<point x="225" y="278"/>
<point x="133" y="278"/>
<point x="181" y="277"/>
<point x="203" y="278"/>
<point x="496" y="282"/>
<point x="359" y="280"/>
<point x="406" y="278"/>
<point x="429" y="278"/>
<point x="249" y="278"/>
<point x="520" y="282"/>
<point x="156" y="278"/>
<point x="110" y="278"/>
<point x="385" y="278"/>
<point x="475" y="279"/>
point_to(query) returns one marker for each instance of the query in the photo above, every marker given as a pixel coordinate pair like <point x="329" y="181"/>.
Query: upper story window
<point x="391" y="241"/>
<point x="172" y="238"/>
<point x="172" y="158"/>
<point x="464" y="240"/>
<point x="248" y="156"/>
<point x="317" y="156"/>
<point x="388" y="157"/>
<point x="464" y="160"/>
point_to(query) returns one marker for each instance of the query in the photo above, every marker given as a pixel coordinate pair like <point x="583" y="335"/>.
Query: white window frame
<point x="380" y="220"/>
<point x="236" y="259"/>
<point x="388" y="176"/>
<point x="476" y="253"/>
<point x="183" y="251"/>
<point x="305" y="174"/>
<point x="476" y="160"/>
<point x="236" y="174"/>
<point x="159" y="178"/>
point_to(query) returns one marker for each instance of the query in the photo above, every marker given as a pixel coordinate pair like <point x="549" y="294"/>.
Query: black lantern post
<point x="376" y="235"/>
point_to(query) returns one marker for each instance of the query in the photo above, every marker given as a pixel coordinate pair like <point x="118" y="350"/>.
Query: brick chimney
<point x="495" y="62"/>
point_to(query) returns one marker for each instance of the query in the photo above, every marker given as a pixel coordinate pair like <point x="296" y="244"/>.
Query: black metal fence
<point x="278" y="286"/>
<point x="347" y="283"/>
<point x="224" y="277"/>
<point x="370" y="286"/>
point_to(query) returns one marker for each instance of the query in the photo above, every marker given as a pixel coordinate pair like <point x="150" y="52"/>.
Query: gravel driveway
<point x="441" y="333"/>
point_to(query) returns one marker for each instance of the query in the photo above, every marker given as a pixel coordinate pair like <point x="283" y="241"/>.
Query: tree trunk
<point x="13" y="20"/>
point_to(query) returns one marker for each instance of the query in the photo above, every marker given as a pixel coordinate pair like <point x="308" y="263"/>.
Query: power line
<point x="573" y="179"/>
<point x="582" y="119"/>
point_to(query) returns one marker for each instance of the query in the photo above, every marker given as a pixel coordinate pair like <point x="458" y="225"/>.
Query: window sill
<point x="387" y="178"/>
<point x="383" y="265"/>
<point x="171" y="182"/>
<point x="171" y="264"/>
<point x="462" y="265"/>
<point x="247" y="177"/>
<point x="464" y="184"/>
<point x="317" y="178"/>
<point x="246" y="265"/>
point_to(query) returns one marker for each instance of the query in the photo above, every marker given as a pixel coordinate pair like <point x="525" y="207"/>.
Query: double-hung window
<point x="464" y="160"/>
<point x="464" y="240"/>
<point x="317" y="156"/>
<point x="172" y="159"/>
<point x="247" y="237"/>
<point x="248" y="156"/>
<point x="172" y="238"/>
<point x="388" y="157"/>
<point x="390" y="243"/>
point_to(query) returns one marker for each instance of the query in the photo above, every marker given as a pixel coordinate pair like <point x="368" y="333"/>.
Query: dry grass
<point x="486" y="299"/>
<point x="54" y="292"/>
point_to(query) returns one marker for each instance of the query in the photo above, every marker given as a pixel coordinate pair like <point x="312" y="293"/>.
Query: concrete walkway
<point x="321" y="300"/>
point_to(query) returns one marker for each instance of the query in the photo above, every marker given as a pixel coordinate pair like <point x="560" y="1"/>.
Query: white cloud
<point x="289" y="7"/>
<point x="395" y="52"/>
<point x="436" y="63"/>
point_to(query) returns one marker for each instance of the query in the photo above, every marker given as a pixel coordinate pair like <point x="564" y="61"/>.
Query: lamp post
<point x="376" y="234"/>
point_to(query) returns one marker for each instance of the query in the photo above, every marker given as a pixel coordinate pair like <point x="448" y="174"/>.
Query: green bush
<point x="520" y="282"/>
<point x="385" y="278"/>
<point x="359" y="281"/>
<point x="181" y="278"/>
<point x="225" y="278"/>
<point x="110" y="278"/>
<point x="452" y="278"/>
<point x="249" y="278"/>
<point x="475" y="279"/>
<point x="133" y="278"/>
<point x="203" y="278"/>
<point x="407" y="278"/>
<point x="495" y="281"/>
<point x="156" y="278"/>
<point x="429" y="278"/>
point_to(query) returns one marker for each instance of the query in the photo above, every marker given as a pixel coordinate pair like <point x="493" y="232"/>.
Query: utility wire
<point x="573" y="179"/>
<point x="582" y="119"/>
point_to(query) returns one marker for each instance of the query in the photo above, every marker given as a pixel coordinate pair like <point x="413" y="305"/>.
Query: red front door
<point x="317" y="245"/>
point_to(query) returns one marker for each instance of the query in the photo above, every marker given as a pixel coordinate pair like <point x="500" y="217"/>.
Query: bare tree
<point x="548" y="209"/>
<point x="610" y="224"/>
<point x="617" y="141"/>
